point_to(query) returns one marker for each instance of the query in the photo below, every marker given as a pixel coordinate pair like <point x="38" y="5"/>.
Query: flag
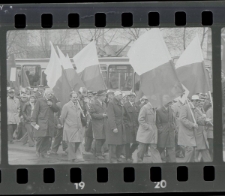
<point x="223" y="56"/>
<point x="150" y="59"/>
<point x="70" y="73"/>
<point x="54" y="76"/>
<point x="13" y="79"/>
<point x="87" y="64"/>
<point x="24" y="79"/>
<point x="191" y="70"/>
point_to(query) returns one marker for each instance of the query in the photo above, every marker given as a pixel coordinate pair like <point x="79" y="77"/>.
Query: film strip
<point x="26" y="173"/>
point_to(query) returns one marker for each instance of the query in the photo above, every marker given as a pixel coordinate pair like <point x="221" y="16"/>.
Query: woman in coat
<point x="147" y="134"/>
<point x="72" y="131"/>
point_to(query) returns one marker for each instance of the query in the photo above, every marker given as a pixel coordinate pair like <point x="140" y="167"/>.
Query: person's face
<point x="201" y="103"/>
<point x="32" y="99"/>
<point x="131" y="98"/>
<point x="196" y="103"/>
<point x="102" y="97"/>
<point x="11" y="94"/>
<point x="90" y="95"/>
<point x="119" y="97"/>
<point x="40" y="89"/>
<point x="48" y="95"/>
<point x="165" y="100"/>
<point x="74" y="98"/>
<point x="110" y="95"/>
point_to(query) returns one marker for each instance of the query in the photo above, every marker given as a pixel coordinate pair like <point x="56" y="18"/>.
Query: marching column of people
<point x="110" y="121"/>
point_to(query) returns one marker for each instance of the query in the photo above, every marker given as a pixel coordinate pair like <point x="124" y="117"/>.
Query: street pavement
<point x="23" y="155"/>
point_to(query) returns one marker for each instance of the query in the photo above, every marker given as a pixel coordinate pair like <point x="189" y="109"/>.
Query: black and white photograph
<point x="119" y="95"/>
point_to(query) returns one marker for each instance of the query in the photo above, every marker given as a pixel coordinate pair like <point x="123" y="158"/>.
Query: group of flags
<point x="151" y="60"/>
<point x="63" y="78"/>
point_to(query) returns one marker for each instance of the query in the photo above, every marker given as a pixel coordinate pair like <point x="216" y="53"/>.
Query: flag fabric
<point x="223" y="56"/>
<point x="87" y="66"/>
<point x="150" y="59"/>
<point x="54" y="76"/>
<point x="191" y="70"/>
<point x="24" y="79"/>
<point x="70" y="73"/>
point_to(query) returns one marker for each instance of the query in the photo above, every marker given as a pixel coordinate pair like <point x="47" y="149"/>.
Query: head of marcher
<point x="82" y="93"/>
<point x="23" y="95"/>
<point x="32" y="98"/>
<point x="202" y="97"/>
<point x="195" y="100"/>
<point x="101" y="95"/>
<point x="118" y="95"/>
<point x="110" y="94"/>
<point x="48" y="94"/>
<point x="74" y="97"/>
<point x="11" y="93"/>
<point x="131" y="97"/>
<point x="90" y="94"/>
<point x="41" y="88"/>
<point x="144" y="100"/>
<point x="166" y="101"/>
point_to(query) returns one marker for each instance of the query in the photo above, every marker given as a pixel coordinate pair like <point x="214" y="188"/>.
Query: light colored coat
<point x="186" y="135"/>
<point x="13" y="110"/>
<point x="147" y="131"/>
<point x="71" y="121"/>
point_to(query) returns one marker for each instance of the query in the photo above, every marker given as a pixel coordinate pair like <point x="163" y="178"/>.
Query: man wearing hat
<point x="165" y="122"/>
<point x="190" y="120"/>
<point x="43" y="120"/>
<point x="40" y="92"/>
<point x="115" y="133"/>
<point x="147" y="134"/>
<point x="13" y="111"/>
<point x="24" y="98"/>
<point x="109" y="96"/>
<point x="143" y="100"/>
<point x="130" y="119"/>
<point x="99" y="122"/>
<point x="27" y="111"/>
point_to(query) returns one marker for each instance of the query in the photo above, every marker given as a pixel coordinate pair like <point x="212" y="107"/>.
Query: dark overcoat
<point x="99" y="123"/>
<point x="115" y="120"/>
<point x="43" y="115"/>
<point x="200" y="132"/>
<point x="130" y="120"/>
<point x="166" y="125"/>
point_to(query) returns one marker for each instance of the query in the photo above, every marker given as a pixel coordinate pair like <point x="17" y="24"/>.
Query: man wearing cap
<point x="165" y="122"/>
<point x="130" y="119"/>
<point x="202" y="145"/>
<point x="40" y="92"/>
<point x="24" y="98"/>
<point x="88" y="130"/>
<point x="99" y="122"/>
<point x="147" y="134"/>
<point x="27" y="111"/>
<point x="13" y="111"/>
<point x="43" y="121"/>
<point x="114" y="133"/>
<point x="143" y="101"/>
<point x="190" y="120"/>
<point x="176" y="107"/>
<point x="110" y="96"/>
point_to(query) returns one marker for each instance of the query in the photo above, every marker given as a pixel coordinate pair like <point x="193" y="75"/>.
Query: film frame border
<point x="115" y="182"/>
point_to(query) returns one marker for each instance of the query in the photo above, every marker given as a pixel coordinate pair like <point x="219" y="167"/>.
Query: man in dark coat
<point x="166" y="125"/>
<point x="43" y="121"/>
<point x="114" y="133"/>
<point x="99" y="122"/>
<point x="59" y="133"/>
<point x="130" y="119"/>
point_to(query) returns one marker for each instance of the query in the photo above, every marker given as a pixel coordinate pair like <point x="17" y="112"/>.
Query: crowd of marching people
<point x="111" y="122"/>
